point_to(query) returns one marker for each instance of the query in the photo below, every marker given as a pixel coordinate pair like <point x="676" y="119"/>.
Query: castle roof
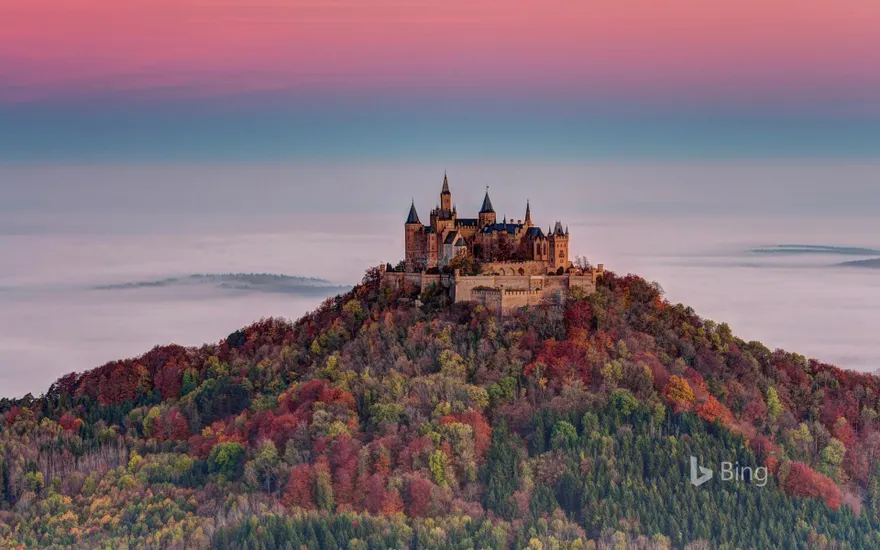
<point x="451" y="237"/>
<point x="413" y="215"/>
<point x="535" y="232"/>
<point x="558" y="230"/>
<point x="499" y="227"/>
<point x="467" y="222"/>
<point x="445" y="186"/>
<point x="487" y="204"/>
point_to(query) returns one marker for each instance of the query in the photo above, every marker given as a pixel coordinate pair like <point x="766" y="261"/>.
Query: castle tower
<point x="487" y="213"/>
<point x="412" y="249"/>
<point x="445" y="195"/>
<point x="528" y="221"/>
<point x="539" y="251"/>
<point x="558" y="248"/>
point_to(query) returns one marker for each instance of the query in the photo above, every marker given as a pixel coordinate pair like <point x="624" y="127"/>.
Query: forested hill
<point x="392" y="420"/>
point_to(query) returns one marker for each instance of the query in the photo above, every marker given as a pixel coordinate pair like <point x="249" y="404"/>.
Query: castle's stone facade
<point x="448" y="236"/>
<point x="499" y="293"/>
<point x="520" y="265"/>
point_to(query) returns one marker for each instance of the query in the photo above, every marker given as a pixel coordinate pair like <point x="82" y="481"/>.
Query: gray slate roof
<point x="487" y="204"/>
<point x="413" y="215"/>
<point x="450" y="238"/>
<point x="498" y="227"/>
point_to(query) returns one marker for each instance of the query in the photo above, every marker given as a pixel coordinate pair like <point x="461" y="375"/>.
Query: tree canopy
<point x="373" y="422"/>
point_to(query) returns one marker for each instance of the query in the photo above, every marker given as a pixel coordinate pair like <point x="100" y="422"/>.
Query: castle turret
<point x="558" y="247"/>
<point x="445" y="195"/>
<point x="487" y="213"/>
<point x="528" y="220"/>
<point x="413" y="246"/>
<point x="413" y="217"/>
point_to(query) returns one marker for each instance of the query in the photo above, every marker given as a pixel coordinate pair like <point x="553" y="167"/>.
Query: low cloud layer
<point x="97" y="262"/>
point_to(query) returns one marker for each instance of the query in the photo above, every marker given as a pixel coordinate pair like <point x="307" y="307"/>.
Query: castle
<point x="448" y="237"/>
<point x="512" y="264"/>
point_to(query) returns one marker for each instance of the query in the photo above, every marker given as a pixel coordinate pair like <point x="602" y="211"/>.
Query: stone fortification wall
<point x="397" y="280"/>
<point x="503" y="301"/>
<point x="556" y="285"/>
<point x="515" y="268"/>
<point x="464" y="285"/>
<point x="488" y="298"/>
<point x="513" y="299"/>
<point x="496" y="292"/>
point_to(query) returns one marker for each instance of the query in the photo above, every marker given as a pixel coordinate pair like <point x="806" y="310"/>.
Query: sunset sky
<point x="248" y="80"/>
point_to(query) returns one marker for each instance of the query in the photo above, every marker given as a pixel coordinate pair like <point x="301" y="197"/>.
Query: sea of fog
<point x="99" y="263"/>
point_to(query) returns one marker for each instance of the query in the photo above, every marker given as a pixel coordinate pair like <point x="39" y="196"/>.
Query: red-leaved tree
<point x="300" y="488"/>
<point x="803" y="481"/>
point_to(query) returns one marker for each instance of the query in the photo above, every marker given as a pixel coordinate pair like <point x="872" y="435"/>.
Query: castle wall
<point x="429" y="279"/>
<point x="513" y="268"/>
<point x="468" y="232"/>
<point x="488" y="298"/>
<point x="464" y="285"/>
<point x="433" y="254"/>
<point x="414" y="247"/>
<point x="552" y="285"/>
<point x="513" y="299"/>
<point x="499" y="293"/>
<point x="396" y="280"/>
<point x="503" y="301"/>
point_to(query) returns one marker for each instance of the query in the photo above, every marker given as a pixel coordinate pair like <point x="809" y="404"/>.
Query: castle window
<point x="561" y="254"/>
<point x="521" y="272"/>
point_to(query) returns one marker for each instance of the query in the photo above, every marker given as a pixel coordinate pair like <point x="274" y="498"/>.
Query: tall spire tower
<point x="413" y="251"/>
<point x="487" y="213"/>
<point x="445" y="195"/>
<point x="413" y="216"/>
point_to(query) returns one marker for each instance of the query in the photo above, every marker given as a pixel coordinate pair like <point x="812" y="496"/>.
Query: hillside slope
<point x="380" y="421"/>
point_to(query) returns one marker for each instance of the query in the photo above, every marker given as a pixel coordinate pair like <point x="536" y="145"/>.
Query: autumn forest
<point x="396" y="419"/>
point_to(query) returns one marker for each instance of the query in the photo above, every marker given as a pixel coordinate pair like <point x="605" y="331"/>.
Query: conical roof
<point x="445" y="190"/>
<point x="487" y="204"/>
<point x="413" y="215"/>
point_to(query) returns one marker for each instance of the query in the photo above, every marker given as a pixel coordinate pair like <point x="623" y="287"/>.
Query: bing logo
<point x="729" y="472"/>
<point x="705" y="474"/>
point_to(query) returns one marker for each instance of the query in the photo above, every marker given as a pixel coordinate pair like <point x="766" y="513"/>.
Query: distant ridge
<point x="816" y="249"/>
<point x="261" y="282"/>
<point x="873" y="263"/>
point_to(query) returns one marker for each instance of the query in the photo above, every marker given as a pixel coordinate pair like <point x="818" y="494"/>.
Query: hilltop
<point x="388" y="418"/>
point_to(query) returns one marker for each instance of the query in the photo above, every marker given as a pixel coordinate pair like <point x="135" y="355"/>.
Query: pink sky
<point x="809" y="50"/>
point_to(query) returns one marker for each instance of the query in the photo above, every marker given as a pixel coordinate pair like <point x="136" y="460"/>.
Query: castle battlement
<point x="504" y="291"/>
